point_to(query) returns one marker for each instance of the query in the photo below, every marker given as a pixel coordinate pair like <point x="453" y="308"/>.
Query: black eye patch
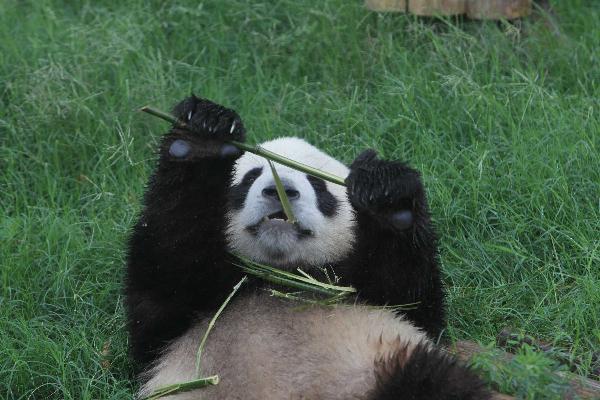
<point x="239" y="192"/>
<point x="326" y="202"/>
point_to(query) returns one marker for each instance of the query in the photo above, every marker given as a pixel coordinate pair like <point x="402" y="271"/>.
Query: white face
<point x="257" y="228"/>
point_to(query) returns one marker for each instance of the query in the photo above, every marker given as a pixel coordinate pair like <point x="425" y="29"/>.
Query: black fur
<point x="391" y="264"/>
<point x="177" y="259"/>
<point x="239" y="192"/>
<point x="177" y="252"/>
<point x="326" y="202"/>
<point x="426" y="374"/>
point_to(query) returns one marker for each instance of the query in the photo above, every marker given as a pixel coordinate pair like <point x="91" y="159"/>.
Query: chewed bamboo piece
<point x="302" y="282"/>
<point x="259" y="151"/>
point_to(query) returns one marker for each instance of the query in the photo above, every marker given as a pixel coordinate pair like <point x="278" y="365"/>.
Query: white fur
<point x="268" y="348"/>
<point x="333" y="236"/>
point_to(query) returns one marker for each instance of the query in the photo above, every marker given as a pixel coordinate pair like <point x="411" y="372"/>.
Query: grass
<point x="504" y="124"/>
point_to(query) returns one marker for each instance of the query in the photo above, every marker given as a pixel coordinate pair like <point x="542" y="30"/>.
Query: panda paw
<point x="208" y="128"/>
<point x="389" y="191"/>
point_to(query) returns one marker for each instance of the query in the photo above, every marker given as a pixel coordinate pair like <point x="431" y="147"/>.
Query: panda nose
<point x="270" y="192"/>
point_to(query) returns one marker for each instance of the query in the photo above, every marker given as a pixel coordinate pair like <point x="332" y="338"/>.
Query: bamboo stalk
<point x="283" y="198"/>
<point x="183" y="387"/>
<point x="200" y="382"/>
<point x="259" y="151"/>
<point x="211" y="324"/>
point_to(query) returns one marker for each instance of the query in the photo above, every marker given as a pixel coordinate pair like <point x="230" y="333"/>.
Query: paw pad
<point x="179" y="148"/>
<point x="402" y="219"/>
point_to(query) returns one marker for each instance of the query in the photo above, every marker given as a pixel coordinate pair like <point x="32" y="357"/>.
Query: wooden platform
<point x="477" y="9"/>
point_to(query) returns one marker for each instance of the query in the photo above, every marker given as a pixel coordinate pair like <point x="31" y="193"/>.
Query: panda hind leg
<point x="425" y="372"/>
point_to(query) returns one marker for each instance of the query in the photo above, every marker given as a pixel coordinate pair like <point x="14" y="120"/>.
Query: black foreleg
<point x="177" y="251"/>
<point x="395" y="258"/>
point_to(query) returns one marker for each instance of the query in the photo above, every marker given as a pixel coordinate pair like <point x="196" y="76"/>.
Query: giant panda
<point x="206" y="200"/>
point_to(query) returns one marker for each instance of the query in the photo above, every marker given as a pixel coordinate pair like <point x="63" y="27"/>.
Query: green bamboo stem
<point x="183" y="387"/>
<point x="211" y="324"/>
<point x="259" y="151"/>
<point x="200" y="382"/>
<point x="285" y="201"/>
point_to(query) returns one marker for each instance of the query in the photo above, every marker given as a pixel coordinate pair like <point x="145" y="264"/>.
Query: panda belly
<point x="268" y="348"/>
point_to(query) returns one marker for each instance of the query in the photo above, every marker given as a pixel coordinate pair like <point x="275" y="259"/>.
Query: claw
<point x="189" y="116"/>
<point x="232" y="128"/>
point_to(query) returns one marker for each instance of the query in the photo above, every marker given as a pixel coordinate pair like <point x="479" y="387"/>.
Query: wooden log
<point x="500" y="396"/>
<point x="464" y="351"/>
<point x="583" y="387"/>
<point x="386" y="5"/>
<point x="477" y="9"/>
<point x="498" y="9"/>
<point x="437" y="7"/>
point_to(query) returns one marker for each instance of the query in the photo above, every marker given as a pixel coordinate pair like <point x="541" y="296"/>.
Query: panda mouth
<point x="279" y="218"/>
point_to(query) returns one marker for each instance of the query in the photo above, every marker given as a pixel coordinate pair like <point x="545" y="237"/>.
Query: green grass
<point x="504" y="124"/>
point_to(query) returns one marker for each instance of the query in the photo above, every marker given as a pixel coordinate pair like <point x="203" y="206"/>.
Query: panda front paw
<point x="389" y="191"/>
<point x="208" y="129"/>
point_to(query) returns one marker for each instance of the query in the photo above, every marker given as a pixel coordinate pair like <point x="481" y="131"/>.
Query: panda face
<point x="257" y="225"/>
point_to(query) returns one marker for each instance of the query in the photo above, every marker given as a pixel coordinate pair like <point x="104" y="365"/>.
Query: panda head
<point x="256" y="225"/>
